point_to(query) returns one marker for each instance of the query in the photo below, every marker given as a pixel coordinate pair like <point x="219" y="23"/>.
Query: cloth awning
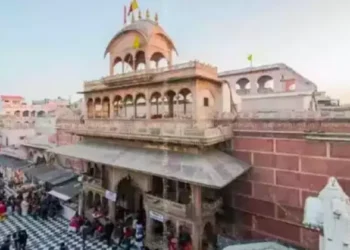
<point x="13" y="163"/>
<point x="50" y="174"/>
<point x="67" y="191"/>
<point x="212" y="168"/>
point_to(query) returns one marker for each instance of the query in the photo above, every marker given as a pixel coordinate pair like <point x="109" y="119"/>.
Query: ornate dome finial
<point x="156" y="17"/>
<point x="140" y="15"/>
<point x="147" y="14"/>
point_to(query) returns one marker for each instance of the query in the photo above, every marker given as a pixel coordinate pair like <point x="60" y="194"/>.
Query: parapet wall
<point x="292" y="158"/>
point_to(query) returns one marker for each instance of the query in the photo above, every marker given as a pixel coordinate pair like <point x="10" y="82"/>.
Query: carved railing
<point x="140" y="73"/>
<point x="295" y="115"/>
<point x="243" y="91"/>
<point x="209" y="208"/>
<point x="154" y="129"/>
<point x="171" y="207"/>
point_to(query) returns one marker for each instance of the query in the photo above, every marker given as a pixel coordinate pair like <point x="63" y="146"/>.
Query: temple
<point x="153" y="138"/>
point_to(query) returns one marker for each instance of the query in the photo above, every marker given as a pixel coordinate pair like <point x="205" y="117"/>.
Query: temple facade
<point x="152" y="138"/>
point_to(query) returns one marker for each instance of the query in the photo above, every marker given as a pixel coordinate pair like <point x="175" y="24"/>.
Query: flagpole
<point x="124" y="14"/>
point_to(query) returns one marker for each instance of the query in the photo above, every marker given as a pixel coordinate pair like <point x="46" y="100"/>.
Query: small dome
<point x="146" y="28"/>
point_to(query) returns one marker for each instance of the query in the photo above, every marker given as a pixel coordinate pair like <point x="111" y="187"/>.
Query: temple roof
<point x="146" y="28"/>
<point x="211" y="168"/>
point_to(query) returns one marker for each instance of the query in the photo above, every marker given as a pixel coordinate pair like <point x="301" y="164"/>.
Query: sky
<point x="49" y="48"/>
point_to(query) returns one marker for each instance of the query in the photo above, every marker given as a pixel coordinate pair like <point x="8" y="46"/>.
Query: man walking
<point x="109" y="227"/>
<point x="16" y="239"/>
<point x="23" y="236"/>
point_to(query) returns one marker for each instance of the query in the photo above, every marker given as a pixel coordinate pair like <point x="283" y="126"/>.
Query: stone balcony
<point x="180" y="210"/>
<point x="186" y="131"/>
<point x="189" y="69"/>
<point x="93" y="184"/>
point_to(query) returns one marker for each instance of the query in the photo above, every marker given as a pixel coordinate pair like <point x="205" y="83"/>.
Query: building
<point x="274" y="87"/>
<point x="151" y="138"/>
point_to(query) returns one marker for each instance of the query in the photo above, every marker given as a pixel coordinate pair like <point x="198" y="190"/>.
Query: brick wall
<point x="291" y="160"/>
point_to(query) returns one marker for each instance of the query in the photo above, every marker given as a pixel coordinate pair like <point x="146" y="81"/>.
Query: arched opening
<point x="140" y="60"/>
<point x="140" y="106"/>
<point x="209" y="236"/>
<point x="265" y="84"/>
<point x="129" y="199"/>
<point x="90" y="108"/>
<point x="158" y="60"/>
<point x="128" y="106"/>
<point x="184" y="101"/>
<point x="118" y="106"/>
<point x="89" y="200"/>
<point x="98" y="108"/>
<point x="32" y="114"/>
<point x="118" y="65"/>
<point x="25" y="113"/>
<point x="17" y="113"/>
<point x="290" y="85"/>
<point x="105" y="107"/>
<point x="128" y="63"/>
<point x="169" y="101"/>
<point x="156" y="102"/>
<point x="41" y="113"/>
<point x="90" y="169"/>
<point x="243" y="86"/>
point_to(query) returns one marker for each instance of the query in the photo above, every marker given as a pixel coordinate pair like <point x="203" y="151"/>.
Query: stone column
<point x="165" y="188"/>
<point x="111" y="210"/>
<point x="81" y="206"/>
<point x="197" y="216"/>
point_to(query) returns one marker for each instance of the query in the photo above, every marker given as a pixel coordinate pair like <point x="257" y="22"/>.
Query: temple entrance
<point x="209" y="237"/>
<point x="129" y="205"/>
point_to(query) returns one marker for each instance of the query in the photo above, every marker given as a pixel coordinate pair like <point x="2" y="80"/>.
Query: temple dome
<point x="146" y="29"/>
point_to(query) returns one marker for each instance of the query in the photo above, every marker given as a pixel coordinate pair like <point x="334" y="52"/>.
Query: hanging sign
<point x="156" y="216"/>
<point x="111" y="195"/>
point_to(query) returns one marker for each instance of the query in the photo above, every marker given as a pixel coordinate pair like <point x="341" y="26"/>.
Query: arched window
<point x="98" y="108"/>
<point x="140" y="106"/>
<point x="129" y="106"/>
<point x="156" y="102"/>
<point x="90" y="108"/>
<point x="105" y="107"/>
<point x="118" y="106"/>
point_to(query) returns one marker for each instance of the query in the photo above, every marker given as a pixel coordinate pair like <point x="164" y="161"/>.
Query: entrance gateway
<point x="150" y="136"/>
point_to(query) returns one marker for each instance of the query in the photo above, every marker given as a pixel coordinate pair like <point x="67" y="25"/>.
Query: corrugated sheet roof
<point x="13" y="163"/>
<point x="212" y="168"/>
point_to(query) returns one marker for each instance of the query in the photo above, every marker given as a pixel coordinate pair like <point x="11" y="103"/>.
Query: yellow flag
<point x="250" y="57"/>
<point x="136" y="42"/>
<point x="133" y="6"/>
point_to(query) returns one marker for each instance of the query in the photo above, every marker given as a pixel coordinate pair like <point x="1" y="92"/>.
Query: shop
<point x="68" y="194"/>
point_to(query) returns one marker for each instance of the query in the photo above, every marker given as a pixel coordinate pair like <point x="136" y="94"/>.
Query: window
<point x="206" y="102"/>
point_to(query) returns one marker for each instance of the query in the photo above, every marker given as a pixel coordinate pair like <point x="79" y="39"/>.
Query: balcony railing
<point x="181" y="210"/>
<point x="184" y="131"/>
<point x="93" y="184"/>
<point x="170" y="207"/>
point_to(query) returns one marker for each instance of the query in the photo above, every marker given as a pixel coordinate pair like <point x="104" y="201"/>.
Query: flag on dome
<point x="136" y="44"/>
<point x="250" y="57"/>
<point x="133" y="6"/>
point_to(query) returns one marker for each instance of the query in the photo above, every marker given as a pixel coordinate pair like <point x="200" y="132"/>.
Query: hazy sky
<point x="48" y="48"/>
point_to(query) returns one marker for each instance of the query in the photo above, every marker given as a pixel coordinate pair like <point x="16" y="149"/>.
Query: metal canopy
<point x="50" y="174"/>
<point x="13" y="163"/>
<point x="211" y="168"/>
<point x="67" y="191"/>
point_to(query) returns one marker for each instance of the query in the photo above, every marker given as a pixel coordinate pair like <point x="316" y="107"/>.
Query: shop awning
<point x="67" y="191"/>
<point x="13" y="163"/>
<point x="50" y="174"/>
<point x="212" y="168"/>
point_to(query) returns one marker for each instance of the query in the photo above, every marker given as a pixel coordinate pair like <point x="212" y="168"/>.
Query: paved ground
<point x="47" y="235"/>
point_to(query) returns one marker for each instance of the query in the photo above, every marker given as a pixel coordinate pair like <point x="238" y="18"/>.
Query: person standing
<point x="63" y="246"/>
<point x="16" y="239"/>
<point x="84" y="231"/>
<point x="6" y="244"/>
<point x="23" y="236"/>
<point x="109" y="227"/>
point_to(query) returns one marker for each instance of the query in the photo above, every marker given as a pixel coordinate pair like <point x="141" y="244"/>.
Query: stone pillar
<point x="165" y="188"/>
<point x="253" y="84"/>
<point x="194" y="101"/>
<point x="177" y="191"/>
<point x="111" y="69"/>
<point x="111" y="210"/>
<point x="197" y="216"/>
<point x="81" y="206"/>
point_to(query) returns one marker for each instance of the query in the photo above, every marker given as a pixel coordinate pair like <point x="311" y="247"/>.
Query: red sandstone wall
<point x="287" y="168"/>
<point x="63" y="138"/>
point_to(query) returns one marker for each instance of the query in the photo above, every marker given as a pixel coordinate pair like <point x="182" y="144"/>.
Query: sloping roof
<point x="211" y="168"/>
<point x="67" y="191"/>
<point x="39" y="141"/>
<point x="13" y="163"/>
<point x="50" y="174"/>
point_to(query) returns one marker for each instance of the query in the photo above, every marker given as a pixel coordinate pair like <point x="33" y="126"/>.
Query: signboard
<point x="156" y="216"/>
<point x="111" y="195"/>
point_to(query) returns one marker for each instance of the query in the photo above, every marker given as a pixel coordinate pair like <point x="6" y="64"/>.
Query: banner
<point x="111" y="195"/>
